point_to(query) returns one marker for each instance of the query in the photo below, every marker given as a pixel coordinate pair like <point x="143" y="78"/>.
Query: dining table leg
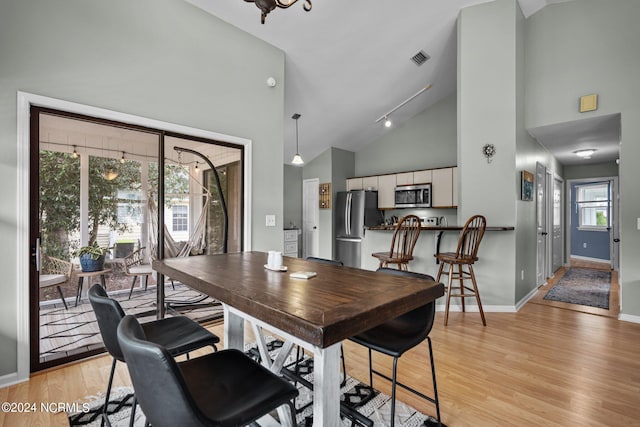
<point x="233" y="329"/>
<point x="326" y="386"/>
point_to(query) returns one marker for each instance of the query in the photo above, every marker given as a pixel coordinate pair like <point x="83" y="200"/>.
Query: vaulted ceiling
<point x="349" y="62"/>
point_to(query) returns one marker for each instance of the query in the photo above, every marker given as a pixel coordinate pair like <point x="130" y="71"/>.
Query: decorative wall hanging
<point x="527" y="186"/>
<point x="489" y="150"/>
<point x="325" y="195"/>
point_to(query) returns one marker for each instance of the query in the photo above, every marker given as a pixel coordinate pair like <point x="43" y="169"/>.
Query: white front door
<point x="310" y="218"/>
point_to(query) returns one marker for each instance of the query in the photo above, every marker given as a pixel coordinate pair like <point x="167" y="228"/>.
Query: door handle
<point x="616" y="240"/>
<point x="315" y="228"/>
<point x="544" y="233"/>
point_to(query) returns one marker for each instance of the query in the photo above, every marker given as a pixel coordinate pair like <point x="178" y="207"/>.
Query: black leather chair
<point x="226" y="388"/>
<point x="179" y="335"/>
<point x="398" y="335"/>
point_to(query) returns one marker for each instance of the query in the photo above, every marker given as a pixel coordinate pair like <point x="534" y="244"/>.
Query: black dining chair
<point x="179" y="335"/>
<point x="399" y="335"/>
<point x="225" y="388"/>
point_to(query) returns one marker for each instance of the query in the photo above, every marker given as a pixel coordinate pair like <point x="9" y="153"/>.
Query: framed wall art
<point x="527" y="186"/>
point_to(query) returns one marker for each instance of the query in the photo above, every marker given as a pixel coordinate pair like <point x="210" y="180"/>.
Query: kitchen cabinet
<point x="291" y="243"/>
<point x="442" y="188"/>
<point x="405" y="178"/>
<point x="455" y="186"/>
<point x="370" y="183"/>
<point x="354" y="184"/>
<point x="422" y="177"/>
<point x="386" y="187"/>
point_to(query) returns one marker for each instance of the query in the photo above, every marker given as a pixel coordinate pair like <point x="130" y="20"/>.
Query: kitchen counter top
<point x="440" y="228"/>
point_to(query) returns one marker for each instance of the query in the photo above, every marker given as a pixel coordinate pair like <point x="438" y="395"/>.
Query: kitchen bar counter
<point x="440" y="228"/>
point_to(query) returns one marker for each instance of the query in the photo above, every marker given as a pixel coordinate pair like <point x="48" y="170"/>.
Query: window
<point x="180" y="217"/>
<point x="592" y="204"/>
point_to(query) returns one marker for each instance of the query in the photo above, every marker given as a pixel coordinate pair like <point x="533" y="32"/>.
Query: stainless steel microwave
<point x="413" y="196"/>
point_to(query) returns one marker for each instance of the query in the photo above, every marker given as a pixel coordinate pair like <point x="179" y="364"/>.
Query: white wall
<point x="160" y="59"/>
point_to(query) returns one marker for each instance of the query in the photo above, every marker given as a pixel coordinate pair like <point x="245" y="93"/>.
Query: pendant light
<point x="297" y="159"/>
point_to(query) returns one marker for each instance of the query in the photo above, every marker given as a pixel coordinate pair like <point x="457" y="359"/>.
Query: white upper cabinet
<point x="370" y="183"/>
<point x="422" y="177"/>
<point x="354" y="184"/>
<point x="442" y="188"/>
<point x="405" y="178"/>
<point x="386" y="195"/>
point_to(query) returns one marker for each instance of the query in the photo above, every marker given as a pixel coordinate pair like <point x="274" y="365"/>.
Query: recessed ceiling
<point x="564" y="139"/>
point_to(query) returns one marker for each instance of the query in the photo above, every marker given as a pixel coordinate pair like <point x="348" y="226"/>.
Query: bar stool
<point x="465" y="255"/>
<point x="404" y="240"/>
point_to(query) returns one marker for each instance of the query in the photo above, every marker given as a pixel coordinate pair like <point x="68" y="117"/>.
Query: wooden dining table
<point x="316" y="313"/>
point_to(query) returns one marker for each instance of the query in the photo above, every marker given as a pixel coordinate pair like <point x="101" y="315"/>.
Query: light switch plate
<point x="270" y="220"/>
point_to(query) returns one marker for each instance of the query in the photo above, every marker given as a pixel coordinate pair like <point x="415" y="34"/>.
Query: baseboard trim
<point x="526" y="298"/>
<point x="629" y="318"/>
<point x="11" y="379"/>
<point x="485" y="308"/>
<point x="586" y="258"/>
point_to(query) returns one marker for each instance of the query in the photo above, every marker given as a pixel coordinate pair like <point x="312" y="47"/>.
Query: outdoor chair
<point x="226" y="388"/>
<point x="55" y="272"/>
<point x="135" y="266"/>
<point x="179" y="335"/>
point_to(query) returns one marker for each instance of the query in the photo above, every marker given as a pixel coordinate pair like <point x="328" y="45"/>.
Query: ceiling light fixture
<point x="585" y="154"/>
<point x="385" y="117"/>
<point x="267" y="6"/>
<point x="297" y="159"/>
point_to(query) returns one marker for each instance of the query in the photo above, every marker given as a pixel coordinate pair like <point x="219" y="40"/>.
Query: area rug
<point x="583" y="286"/>
<point x="358" y="396"/>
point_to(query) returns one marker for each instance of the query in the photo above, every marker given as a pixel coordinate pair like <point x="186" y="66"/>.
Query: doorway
<point x="592" y="212"/>
<point x="99" y="182"/>
<point x="310" y="218"/>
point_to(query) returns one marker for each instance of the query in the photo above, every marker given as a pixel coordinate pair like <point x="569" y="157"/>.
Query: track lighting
<point x="385" y="117"/>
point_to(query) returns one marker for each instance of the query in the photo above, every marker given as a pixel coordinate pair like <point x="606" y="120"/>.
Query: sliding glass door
<point x="97" y="183"/>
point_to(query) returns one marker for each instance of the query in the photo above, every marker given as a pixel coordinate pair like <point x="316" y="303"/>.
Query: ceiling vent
<point x="420" y="58"/>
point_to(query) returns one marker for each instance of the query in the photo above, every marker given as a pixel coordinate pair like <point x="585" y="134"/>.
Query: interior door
<point x="615" y="229"/>
<point x="310" y="218"/>
<point x="541" y="224"/>
<point x="557" y="246"/>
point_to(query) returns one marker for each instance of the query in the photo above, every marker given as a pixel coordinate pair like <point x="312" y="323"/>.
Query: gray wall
<point x="591" y="46"/>
<point x="597" y="170"/>
<point x="161" y="59"/>
<point x="334" y="165"/>
<point x="426" y="141"/>
<point x="292" y="209"/>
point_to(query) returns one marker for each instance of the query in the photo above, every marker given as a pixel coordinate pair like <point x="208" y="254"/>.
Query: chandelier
<point x="267" y="6"/>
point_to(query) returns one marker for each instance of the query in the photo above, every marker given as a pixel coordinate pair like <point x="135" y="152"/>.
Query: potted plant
<point x="91" y="257"/>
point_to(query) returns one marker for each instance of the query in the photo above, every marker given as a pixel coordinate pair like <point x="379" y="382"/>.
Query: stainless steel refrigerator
<point x="354" y="211"/>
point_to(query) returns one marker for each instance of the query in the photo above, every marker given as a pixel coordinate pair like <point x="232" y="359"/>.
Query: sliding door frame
<point x="25" y="129"/>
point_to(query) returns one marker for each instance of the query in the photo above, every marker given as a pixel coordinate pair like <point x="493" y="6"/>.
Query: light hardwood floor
<point x="540" y="366"/>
